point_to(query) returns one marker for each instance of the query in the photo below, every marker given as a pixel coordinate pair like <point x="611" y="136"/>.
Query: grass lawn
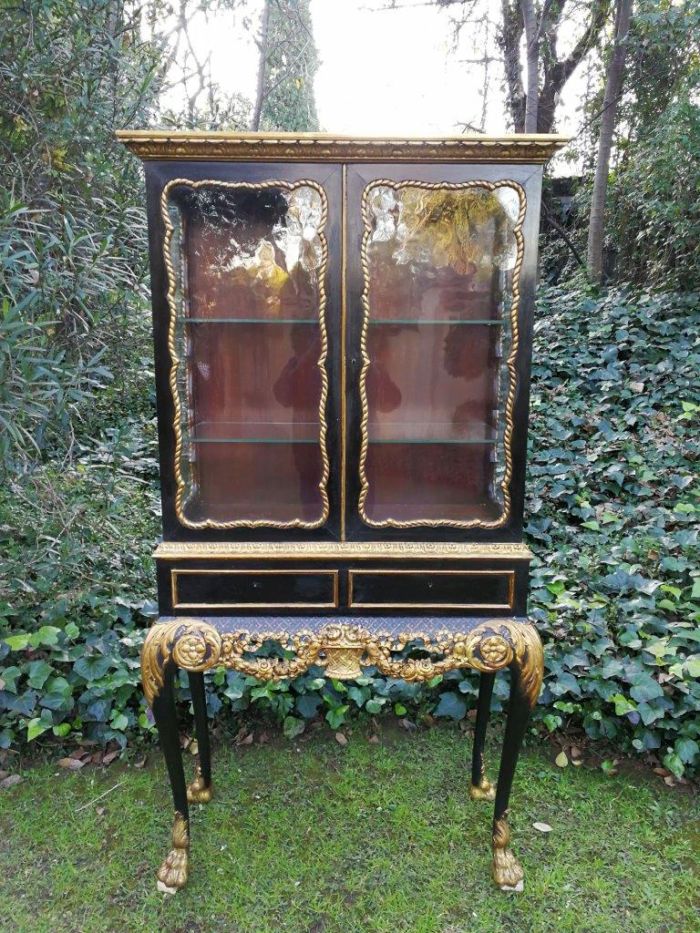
<point x="312" y="836"/>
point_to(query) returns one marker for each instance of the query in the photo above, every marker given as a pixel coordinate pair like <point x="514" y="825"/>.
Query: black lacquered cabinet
<point x="342" y="338"/>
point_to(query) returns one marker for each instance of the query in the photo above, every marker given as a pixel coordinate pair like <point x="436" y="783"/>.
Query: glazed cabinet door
<point x="246" y="295"/>
<point x="438" y="329"/>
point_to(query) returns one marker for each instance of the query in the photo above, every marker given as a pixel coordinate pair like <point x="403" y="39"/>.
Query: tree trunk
<point x="542" y="57"/>
<point x="509" y="40"/>
<point x="532" y="62"/>
<point x="613" y="88"/>
<point x="262" y="67"/>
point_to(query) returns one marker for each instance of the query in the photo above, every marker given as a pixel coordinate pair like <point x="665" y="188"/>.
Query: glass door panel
<point x="438" y="346"/>
<point x="249" y="350"/>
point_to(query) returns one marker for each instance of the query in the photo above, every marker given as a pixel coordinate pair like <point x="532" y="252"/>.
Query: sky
<point x="384" y="72"/>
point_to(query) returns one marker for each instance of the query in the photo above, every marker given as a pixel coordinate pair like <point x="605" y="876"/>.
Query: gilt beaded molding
<point x="343" y="649"/>
<point x="341" y="550"/>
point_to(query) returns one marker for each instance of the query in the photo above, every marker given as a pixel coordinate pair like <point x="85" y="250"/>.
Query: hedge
<point x="612" y="518"/>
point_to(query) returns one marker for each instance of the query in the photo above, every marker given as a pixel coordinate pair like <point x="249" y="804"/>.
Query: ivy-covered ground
<point x="613" y="506"/>
<point x="378" y="834"/>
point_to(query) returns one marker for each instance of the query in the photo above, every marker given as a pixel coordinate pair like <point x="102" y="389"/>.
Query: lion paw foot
<point x="484" y="790"/>
<point x="506" y="870"/>
<point x="198" y="791"/>
<point x="172" y="874"/>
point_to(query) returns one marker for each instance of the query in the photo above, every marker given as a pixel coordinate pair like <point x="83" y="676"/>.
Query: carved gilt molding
<point x="291" y="147"/>
<point x="342" y="649"/>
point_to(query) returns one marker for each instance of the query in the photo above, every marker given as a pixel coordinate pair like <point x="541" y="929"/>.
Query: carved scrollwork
<point x="191" y="644"/>
<point x="342" y="649"/>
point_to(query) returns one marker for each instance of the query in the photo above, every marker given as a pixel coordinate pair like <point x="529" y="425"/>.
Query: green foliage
<point x="72" y="235"/>
<point x="612" y="518"/>
<point x="613" y="507"/>
<point x="655" y="199"/>
<point x="652" y="216"/>
<point x="76" y="591"/>
<point x="291" y="64"/>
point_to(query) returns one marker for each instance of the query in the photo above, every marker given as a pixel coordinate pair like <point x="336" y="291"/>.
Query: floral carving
<point x="495" y="650"/>
<point x="196" y="645"/>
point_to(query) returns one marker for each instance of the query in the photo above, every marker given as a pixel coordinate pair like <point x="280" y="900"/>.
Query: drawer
<point x="437" y="589"/>
<point x="261" y="589"/>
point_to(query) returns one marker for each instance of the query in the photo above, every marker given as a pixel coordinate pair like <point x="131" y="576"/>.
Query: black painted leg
<point x="481" y="788"/>
<point x="507" y="871"/>
<point x="200" y="789"/>
<point x="173" y="872"/>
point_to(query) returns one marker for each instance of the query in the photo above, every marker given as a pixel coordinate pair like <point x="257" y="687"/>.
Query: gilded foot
<point x="506" y="869"/>
<point x="197" y="790"/>
<point x="484" y="790"/>
<point x="172" y="874"/>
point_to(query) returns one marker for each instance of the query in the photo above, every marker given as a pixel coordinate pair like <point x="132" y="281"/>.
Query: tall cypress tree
<point x="288" y="64"/>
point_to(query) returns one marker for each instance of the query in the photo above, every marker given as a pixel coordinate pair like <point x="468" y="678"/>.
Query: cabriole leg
<point x="172" y="874"/>
<point x="481" y="788"/>
<point x="526" y="680"/>
<point x="200" y="789"/>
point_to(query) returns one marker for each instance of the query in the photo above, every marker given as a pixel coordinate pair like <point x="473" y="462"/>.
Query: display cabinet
<point x="342" y="343"/>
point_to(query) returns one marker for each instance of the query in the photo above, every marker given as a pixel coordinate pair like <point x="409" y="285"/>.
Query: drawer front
<point x="253" y="589"/>
<point x="436" y="589"/>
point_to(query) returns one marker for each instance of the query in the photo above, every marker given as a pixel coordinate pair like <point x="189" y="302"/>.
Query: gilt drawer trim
<point x="332" y="575"/>
<point x="353" y="575"/>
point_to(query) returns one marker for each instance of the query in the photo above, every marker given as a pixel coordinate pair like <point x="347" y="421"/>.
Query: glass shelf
<point x="438" y="296"/>
<point x="255" y="432"/>
<point x="430" y="432"/>
<point x="489" y="322"/>
<point x="250" y="255"/>
<point x="250" y="320"/>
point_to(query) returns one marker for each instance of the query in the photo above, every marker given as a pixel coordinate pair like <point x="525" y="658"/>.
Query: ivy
<point x="611" y="517"/>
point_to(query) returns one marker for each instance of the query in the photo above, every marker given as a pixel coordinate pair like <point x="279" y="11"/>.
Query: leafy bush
<point x="72" y="229"/>
<point x="655" y="218"/>
<point x="612" y="519"/>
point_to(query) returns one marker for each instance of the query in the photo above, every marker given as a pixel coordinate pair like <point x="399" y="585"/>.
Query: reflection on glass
<point x="249" y="310"/>
<point x="437" y="302"/>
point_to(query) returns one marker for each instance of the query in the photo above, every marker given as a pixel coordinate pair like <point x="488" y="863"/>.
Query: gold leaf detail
<point x="196" y="645"/>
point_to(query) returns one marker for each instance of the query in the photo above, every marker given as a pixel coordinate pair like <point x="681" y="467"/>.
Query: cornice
<point x="317" y="147"/>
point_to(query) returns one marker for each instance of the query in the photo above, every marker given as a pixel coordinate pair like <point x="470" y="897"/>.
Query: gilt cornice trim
<point x="340" y="550"/>
<point x="309" y="147"/>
